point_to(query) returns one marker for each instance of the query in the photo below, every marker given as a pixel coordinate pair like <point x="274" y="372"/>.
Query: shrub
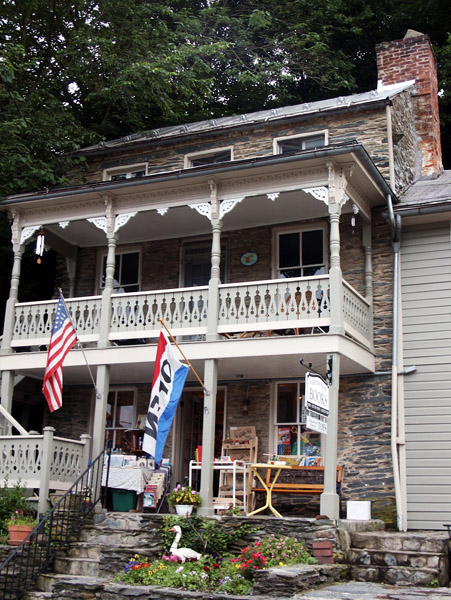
<point x="13" y="500"/>
<point x="215" y="571"/>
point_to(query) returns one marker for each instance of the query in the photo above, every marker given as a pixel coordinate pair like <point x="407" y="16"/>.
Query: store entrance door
<point x="189" y="430"/>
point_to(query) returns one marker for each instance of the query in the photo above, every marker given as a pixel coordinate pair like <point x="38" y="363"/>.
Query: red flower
<point x="216" y="566"/>
<point x="207" y="569"/>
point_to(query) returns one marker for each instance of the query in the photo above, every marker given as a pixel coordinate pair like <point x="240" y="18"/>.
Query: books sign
<point x="316" y="424"/>
<point x="316" y="395"/>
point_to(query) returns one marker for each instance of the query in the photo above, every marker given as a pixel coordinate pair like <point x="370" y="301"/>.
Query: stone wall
<point x="366" y="126"/>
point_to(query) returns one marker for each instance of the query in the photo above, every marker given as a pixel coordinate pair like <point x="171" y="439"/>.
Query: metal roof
<point x="382" y="93"/>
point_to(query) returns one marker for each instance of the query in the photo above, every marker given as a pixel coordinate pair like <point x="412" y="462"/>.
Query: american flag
<point x="63" y="338"/>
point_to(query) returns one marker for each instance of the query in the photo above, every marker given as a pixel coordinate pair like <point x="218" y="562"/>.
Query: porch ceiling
<point x="245" y="359"/>
<point x="251" y="179"/>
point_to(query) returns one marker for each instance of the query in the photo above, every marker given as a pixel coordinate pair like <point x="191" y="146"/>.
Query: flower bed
<point x="213" y="572"/>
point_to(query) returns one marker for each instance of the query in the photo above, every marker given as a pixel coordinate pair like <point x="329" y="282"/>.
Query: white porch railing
<point x="43" y="461"/>
<point x="301" y="304"/>
<point x="282" y="304"/>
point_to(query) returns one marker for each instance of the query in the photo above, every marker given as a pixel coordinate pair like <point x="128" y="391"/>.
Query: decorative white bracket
<point x="204" y="208"/>
<point x="319" y="193"/>
<point x="27" y="232"/>
<point x="162" y="211"/>
<point x="273" y="196"/>
<point x="119" y="221"/>
<point x="63" y="224"/>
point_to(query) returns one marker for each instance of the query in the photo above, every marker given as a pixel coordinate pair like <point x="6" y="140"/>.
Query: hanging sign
<point x="316" y="424"/>
<point x="316" y="395"/>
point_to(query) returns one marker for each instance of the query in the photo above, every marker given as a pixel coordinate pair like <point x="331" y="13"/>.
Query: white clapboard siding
<point x="426" y="314"/>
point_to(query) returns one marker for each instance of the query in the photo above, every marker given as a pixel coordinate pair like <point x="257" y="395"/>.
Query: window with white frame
<point x="300" y="253"/>
<point x="291" y="436"/>
<point x="126" y="272"/>
<point x="297" y="143"/>
<point x="209" y="157"/>
<point x="122" y="173"/>
<point x="120" y="416"/>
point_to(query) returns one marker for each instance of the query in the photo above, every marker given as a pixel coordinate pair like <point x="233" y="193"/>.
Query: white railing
<point x="34" y="320"/>
<point x="42" y="461"/>
<point x="301" y="304"/>
<point x="184" y="310"/>
<point x="356" y="314"/>
<point x="283" y="304"/>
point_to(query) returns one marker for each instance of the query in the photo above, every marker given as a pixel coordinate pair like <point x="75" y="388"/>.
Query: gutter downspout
<point x="395" y="225"/>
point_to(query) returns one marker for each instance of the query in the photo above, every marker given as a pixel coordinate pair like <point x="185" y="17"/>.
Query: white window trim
<point x="298" y="229"/>
<point x="204" y="153"/>
<point x="276" y="141"/>
<point x="122" y="250"/>
<point x="273" y="411"/>
<point x="108" y="173"/>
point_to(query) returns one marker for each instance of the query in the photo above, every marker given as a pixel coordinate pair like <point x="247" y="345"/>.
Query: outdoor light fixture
<point x="39" y="248"/>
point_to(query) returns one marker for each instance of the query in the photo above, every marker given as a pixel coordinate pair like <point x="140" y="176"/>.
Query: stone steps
<point x="399" y="558"/>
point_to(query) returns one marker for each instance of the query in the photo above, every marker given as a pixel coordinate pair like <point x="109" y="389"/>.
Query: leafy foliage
<point x="74" y="73"/>
<point x="202" y="535"/>
<point x="13" y="502"/>
<point x="220" y="571"/>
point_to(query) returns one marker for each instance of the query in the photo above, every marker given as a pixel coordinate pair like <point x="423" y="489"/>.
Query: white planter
<point x="184" y="510"/>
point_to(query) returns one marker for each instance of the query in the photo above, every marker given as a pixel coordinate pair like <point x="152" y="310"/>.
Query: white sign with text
<point x="316" y="395"/>
<point x="316" y="424"/>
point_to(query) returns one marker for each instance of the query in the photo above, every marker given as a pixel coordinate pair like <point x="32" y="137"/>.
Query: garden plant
<point x="220" y="568"/>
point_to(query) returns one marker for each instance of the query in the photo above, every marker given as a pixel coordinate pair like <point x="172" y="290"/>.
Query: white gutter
<point x="397" y="437"/>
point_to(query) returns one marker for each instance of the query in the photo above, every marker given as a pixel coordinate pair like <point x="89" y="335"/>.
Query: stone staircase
<point x="410" y="558"/>
<point x="105" y="544"/>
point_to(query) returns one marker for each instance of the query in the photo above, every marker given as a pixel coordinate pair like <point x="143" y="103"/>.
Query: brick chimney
<point x="413" y="58"/>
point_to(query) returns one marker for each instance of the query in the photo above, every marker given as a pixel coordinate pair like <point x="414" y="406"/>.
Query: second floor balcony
<point x="298" y="306"/>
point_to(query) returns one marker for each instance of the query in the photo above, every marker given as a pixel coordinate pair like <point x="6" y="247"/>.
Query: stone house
<point x="267" y="242"/>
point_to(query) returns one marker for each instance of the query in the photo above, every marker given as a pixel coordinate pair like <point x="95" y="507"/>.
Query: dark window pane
<point x="287" y="403"/>
<point x="135" y="174"/>
<point x="316" y="141"/>
<point x="130" y="268"/>
<point x="211" y="159"/>
<point x="289" y="251"/>
<point x="312" y="247"/>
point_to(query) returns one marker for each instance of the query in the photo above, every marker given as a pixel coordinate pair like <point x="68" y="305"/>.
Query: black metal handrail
<point x="53" y="532"/>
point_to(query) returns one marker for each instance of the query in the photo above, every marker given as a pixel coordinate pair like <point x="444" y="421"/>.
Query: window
<point x="120" y="417"/>
<point x="126" y="272"/>
<point x="291" y="435"/>
<point x="209" y="157"/>
<point x="197" y="264"/>
<point x="122" y="173"/>
<point x="300" y="253"/>
<point x="285" y="145"/>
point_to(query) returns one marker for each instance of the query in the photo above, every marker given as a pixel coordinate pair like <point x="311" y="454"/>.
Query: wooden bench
<point x="301" y="480"/>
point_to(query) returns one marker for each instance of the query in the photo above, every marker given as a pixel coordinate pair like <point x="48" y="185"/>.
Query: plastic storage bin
<point x="124" y="500"/>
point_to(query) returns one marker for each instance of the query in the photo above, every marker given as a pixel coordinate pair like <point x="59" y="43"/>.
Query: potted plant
<point x="184" y="499"/>
<point x="20" y="525"/>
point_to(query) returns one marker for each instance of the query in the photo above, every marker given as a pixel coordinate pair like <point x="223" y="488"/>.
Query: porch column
<point x="98" y="430"/>
<point x="330" y="501"/>
<point x="335" y="274"/>
<point x="7" y="392"/>
<point x="208" y="436"/>
<point x="213" y="284"/>
<point x="105" y="318"/>
<point x="18" y="250"/>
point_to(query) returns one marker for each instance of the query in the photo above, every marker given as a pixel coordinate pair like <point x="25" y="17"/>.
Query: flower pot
<point x="184" y="510"/>
<point x="17" y="534"/>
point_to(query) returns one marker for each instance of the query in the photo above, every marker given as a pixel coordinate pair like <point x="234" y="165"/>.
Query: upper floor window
<point x="300" y="253"/>
<point x="126" y="272"/>
<point x="209" y="157"/>
<point x="122" y="173"/>
<point x="285" y="145"/>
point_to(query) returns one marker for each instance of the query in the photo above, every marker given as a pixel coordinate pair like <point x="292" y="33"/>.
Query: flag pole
<point x="189" y="364"/>
<point x="98" y="394"/>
